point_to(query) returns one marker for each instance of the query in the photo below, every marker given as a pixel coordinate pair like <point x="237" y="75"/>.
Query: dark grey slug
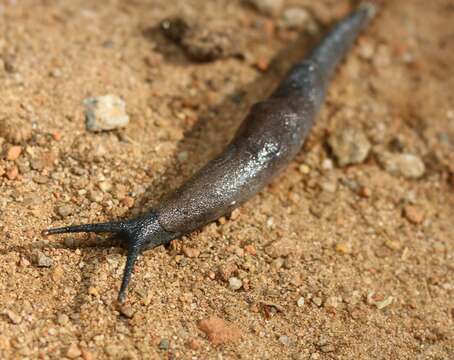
<point x="268" y="139"/>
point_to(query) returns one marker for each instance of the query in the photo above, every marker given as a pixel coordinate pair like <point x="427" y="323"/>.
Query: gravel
<point x="267" y="7"/>
<point x="296" y="18"/>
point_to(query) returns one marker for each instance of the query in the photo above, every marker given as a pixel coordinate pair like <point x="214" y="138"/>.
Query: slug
<point x="268" y="139"/>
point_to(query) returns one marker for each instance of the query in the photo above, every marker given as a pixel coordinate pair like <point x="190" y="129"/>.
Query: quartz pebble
<point x="349" y="146"/>
<point x="267" y="7"/>
<point x="13" y="153"/>
<point x="296" y="18"/>
<point x="105" y="113"/>
<point x="42" y="260"/>
<point x="235" y="283"/>
<point x="73" y="351"/>
<point x="406" y="165"/>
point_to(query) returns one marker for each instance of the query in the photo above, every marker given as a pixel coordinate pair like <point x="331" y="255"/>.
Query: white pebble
<point x="105" y="113"/>
<point x="235" y="283"/>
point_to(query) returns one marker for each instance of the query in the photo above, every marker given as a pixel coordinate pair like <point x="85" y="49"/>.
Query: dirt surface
<point x="328" y="262"/>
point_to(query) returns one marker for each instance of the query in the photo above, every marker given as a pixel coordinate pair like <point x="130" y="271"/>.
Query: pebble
<point x="164" y="344"/>
<point x="406" y="165"/>
<point x="128" y="201"/>
<point x="13" y="317"/>
<point x="15" y="130"/>
<point x="413" y="214"/>
<point x="105" y="113"/>
<point x="227" y="270"/>
<point x="63" y="319"/>
<point x="42" y="260"/>
<point x="105" y="186"/>
<point x="284" y="340"/>
<point x="349" y="146"/>
<point x="304" y="169"/>
<point x="13" y="153"/>
<point x="64" y="210"/>
<point x="343" y="248"/>
<point x="191" y="252"/>
<point x="219" y="331"/>
<point x="296" y="18"/>
<point x="127" y="311"/>
<point x="73" y="351"/>
<point x="282" y="248"/>
<point x="300" y="302"/>
<point x="12" y="173"/>
<point x="393" y="244"/>
<point x="317" y="301"/>
<point x="194" y="344"/>
<point x="327" y="164"/>
<point x="267" y="7"/>
<point x="235" y="283"/>
<point x="250" y="249"/>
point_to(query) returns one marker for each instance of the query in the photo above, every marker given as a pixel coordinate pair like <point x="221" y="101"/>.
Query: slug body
<point x="269" y="138"/>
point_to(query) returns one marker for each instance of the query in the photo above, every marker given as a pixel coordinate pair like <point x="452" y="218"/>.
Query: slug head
<point x="143" y="232"/>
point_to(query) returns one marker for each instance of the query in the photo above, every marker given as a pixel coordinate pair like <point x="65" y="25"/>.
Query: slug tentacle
<point x="114" y="227"/>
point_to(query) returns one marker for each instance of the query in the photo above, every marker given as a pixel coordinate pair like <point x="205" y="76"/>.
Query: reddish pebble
<point x="413" y="214"/>
<point x="219" y="331"/>
<point x="191" y="252"/>
<point x="56" y="136"/>
<point x="13" y="153"/>
<point x="12" y="173"/>
<point x="194" y="344"/>
<point x="262" y="64"/>
<point x="128" y="201"/>
<point x="250" y="249"/>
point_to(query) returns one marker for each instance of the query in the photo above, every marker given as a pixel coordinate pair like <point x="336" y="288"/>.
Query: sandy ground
<point x="335" y="262"/>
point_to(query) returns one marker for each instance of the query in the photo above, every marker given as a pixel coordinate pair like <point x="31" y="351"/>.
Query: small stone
<point x="384" y="303"/>
<point x="329" y="186"/>
<point x="235" y="283"/>
<point x="64" y="210"/>
<point x="105" y="186"/>
<point x="15" y="130"/>
<point x="87" y="355"/>
<point x="12" y="173"/>
<point x="105" y="113"/>
<point x="413" y="214"/>
<point x="300" y="302"/>
<point x="219" y="331"/>
<point x="393" y="244"/>
<point x="73" y="351"/>
<point x="42" y="260"/>
<point x="227" y="270"/>
<point x="343" y="248"/>
<point x="13" y="153"/>
<point x="95" y="196"/>
<point x="13" y="317"/>
<point x="128" y="201"/>
<point x="406" y="165"/>
<point x="349" y="146"/>
<point x="284" y="340"/>
<point x="191" y="252"/>
<point x="250" y="249"/>
<point x="327" y="348"/>
<point x="93" y="291"/>
<point x="194" y="344"/>
<point x="327" y="164"/>
<point x="63" y="319"/>
<point x="317" y="301"/>
<point x="283" y="248"/>
<point x="278" y="263"/>
<point x="304" y="169"/>
<point x="296" y="18"/>
<point x="164" y="344"/>
<point x="56" y="73"/>
<point x="267" y="7"/>
<point x="126" y="310"/>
